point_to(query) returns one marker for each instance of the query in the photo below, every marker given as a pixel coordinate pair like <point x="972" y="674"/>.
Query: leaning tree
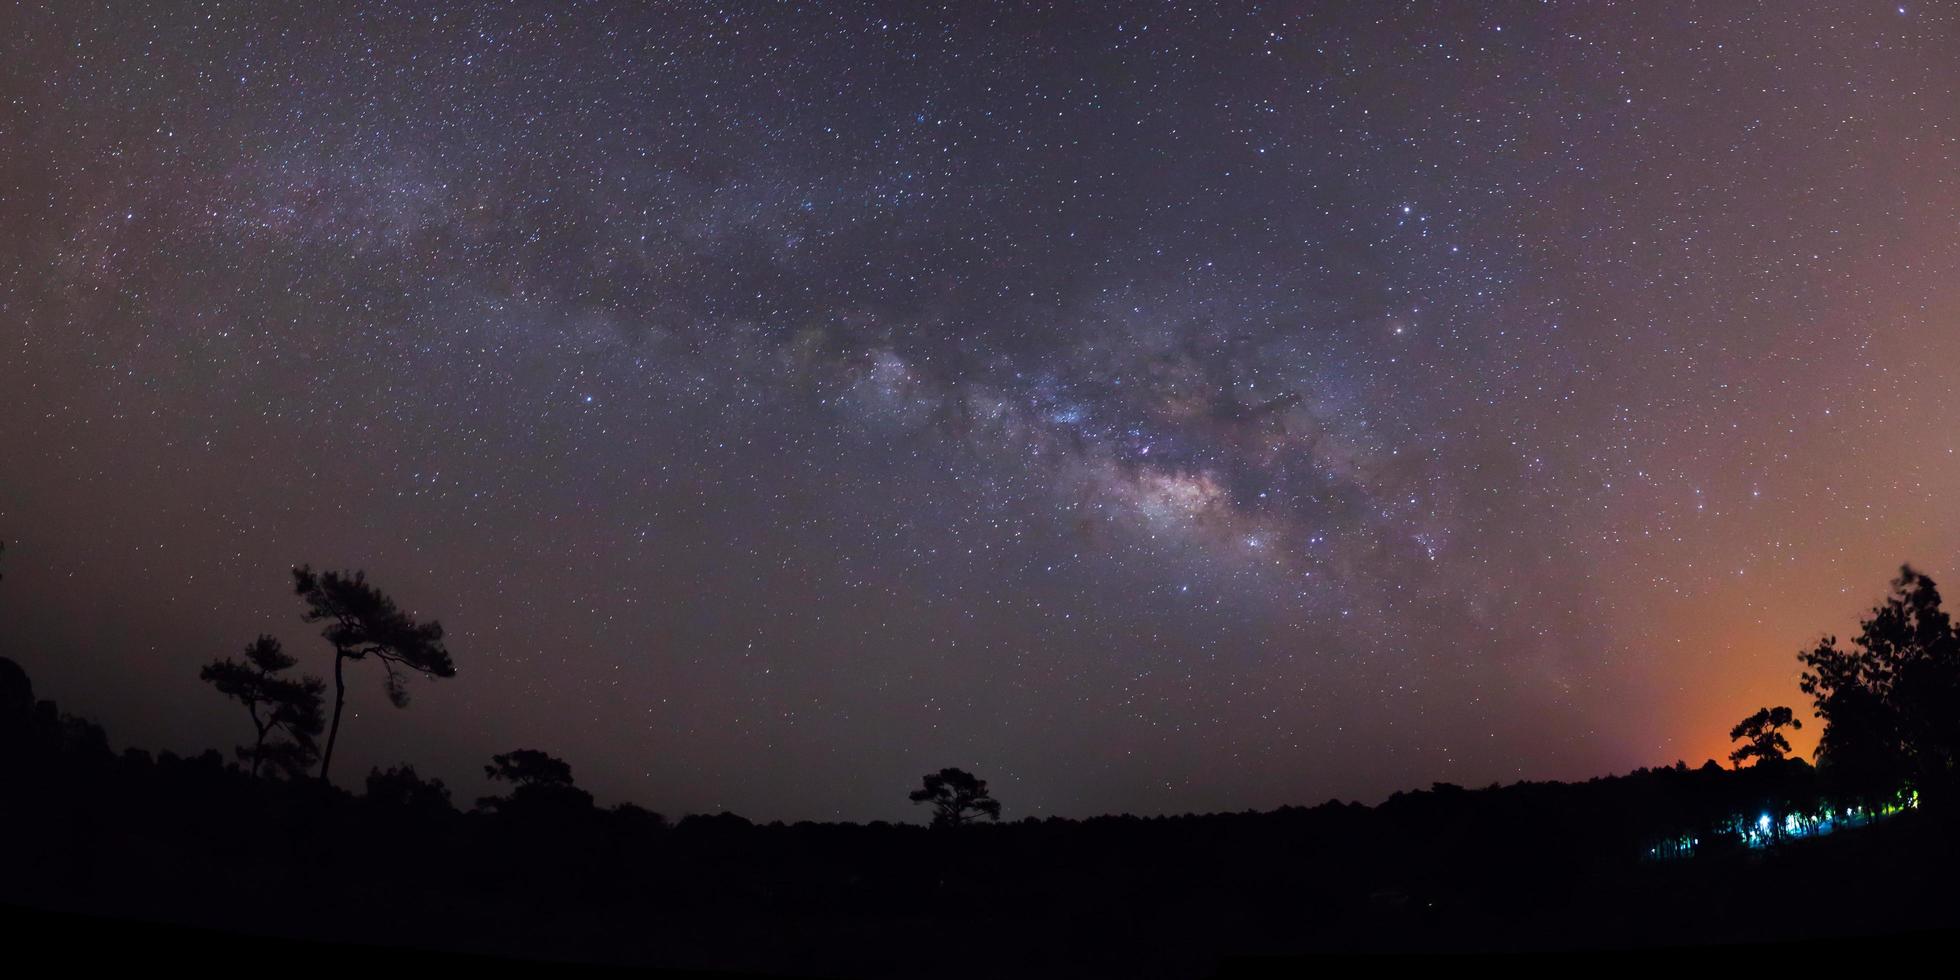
<point x="363" y="623"/>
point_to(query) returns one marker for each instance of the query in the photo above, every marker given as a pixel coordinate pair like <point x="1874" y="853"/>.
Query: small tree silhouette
<point x="277" y="705"/>
<point x="529" y="767"/>
<point x="540" y="781"/>
<point x="954" y="793"/>
<point x="1763" y="741"/>
<point x="401" y="787"/>
<point x="362" y="622"/>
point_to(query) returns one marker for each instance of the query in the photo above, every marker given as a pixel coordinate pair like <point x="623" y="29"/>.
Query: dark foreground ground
<point x="1855" y="898"/>
<point x="124" y="859"/>
<point x="43" y="942"/>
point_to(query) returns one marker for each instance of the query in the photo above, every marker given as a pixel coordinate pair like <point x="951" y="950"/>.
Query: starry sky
<point x="1148" y="407"/>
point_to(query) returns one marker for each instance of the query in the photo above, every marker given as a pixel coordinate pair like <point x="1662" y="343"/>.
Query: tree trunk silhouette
<point x="339" y="702"/>
<point x="258" y="747"/>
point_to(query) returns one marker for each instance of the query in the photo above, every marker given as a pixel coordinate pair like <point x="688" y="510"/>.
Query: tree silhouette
<point x="1891" y="701"/>
<point x="362" y="622"/>
<point x="954" y="793"/>
<point x="278" y="705"/>
<point x="529" y="767"/>
<point x="16" y="695"/>
<point x="1764" y="741"/>
<point x="401" y="787"/>
<point x="539" y="781"/>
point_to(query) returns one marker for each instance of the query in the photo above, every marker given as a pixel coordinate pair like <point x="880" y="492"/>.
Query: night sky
<point x="1149" y="408"/>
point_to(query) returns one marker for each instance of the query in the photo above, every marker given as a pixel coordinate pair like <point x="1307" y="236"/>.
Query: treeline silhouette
<point x="262" y="843"/>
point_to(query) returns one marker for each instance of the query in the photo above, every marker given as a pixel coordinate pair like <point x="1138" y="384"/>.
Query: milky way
<point x="1149" y="408"/>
